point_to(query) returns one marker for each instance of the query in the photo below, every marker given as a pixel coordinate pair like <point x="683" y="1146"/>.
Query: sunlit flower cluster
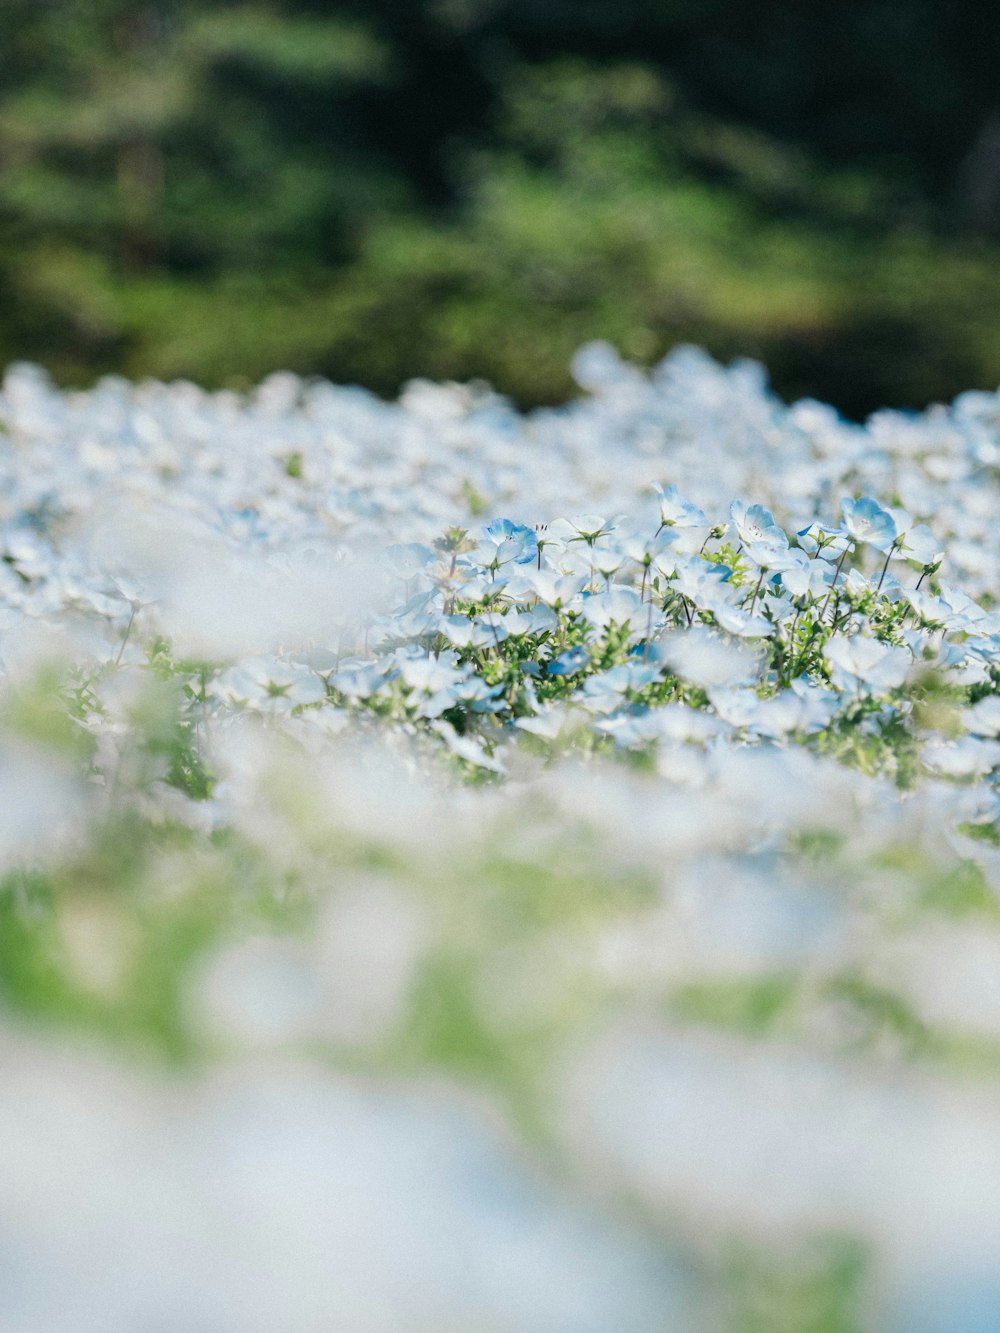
<point x="623" y="775"/>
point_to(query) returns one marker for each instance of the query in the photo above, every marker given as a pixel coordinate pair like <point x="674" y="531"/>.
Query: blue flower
<point x="866" y="521"/>
<point x="675" y="511"/>
<point x="569" y="662"/>
<point x="863" y="663"/>
<point x="816" y="538"/>
<point x="754" y="523"/>
<point x="504" y="540"/>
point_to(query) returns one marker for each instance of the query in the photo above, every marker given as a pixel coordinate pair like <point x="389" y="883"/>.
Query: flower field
<point x="465" y="869"/>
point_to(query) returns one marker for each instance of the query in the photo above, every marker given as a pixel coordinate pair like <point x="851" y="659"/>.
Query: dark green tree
<point x="141" y="138"/>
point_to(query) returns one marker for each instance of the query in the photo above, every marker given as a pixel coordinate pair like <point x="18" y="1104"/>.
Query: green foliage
<point x="819" y="1288"/>
<point x="752" y="1006"/>
<point x="213" y="190"/>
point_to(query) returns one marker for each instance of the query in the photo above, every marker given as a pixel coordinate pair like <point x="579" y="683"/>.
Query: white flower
<point x="675" y="511"/>
<point x="864" y="663"/>
<point x="483" y="632"/>
<point x="269" y="684"/>
<point x="706" y="658"/>
<point x="755" y="524"/>
<point x="983" y="718"/>
<point x="616" y="606"/>
<point x="968" y="757"/>
<point x="808" y="578"/>
<point x="429" y="675"/>
<point x="741" y="623"/>
<point x="866" y="521"/>
<point x="540" y="620"/>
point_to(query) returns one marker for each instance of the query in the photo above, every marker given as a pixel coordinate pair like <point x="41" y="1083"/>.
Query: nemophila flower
<point x="772" y="556"/>
<point x="978" y="663"/>
<point x="643" y="547"/>
<point x="408" y="560"/>
<point x="475" y="694"/>
<point x="967" y="757"/>
<point x="574" y="560"/>
<point x="359" y="679"/>
<point x="915" y="541"/>
<point x="503" y="541"/>
<point x="269" y="684"/>
<point x="134" y="591"/>
<point x="931" y="609"/>
<point x="951" y="609"/>
<point x="627" y="730"/>
<point x="636" y="674"/>
<point x="932" y="648"/>
<point x="866" y="521"/>
<point x="808" y="578"/>
<point x="487" y="586"/>
<point x="675" y="511"/>
<point x="539" y="620"/>
<point x="983" y="718"/>
<point x="786" y="712"/>
<point x="462" y="632"/>
<point x="548" y="585"/>
<point x="706" y="585"/>
<point x="598" y="367"/>
<point x="794" y="711"/>
<point x="822" y="701"/>
<point x="922" y="547"/>
<point x="865" y="664"/>
<point x="601" y="695"/>
<point x="975" y="668"/>
<point x="668" y="558"/>
<point x="754" y="523"/>
<point x="736" y="705"/>
<point x="613" y="606"/>
<point x="469" y="748"/>
<point x="550" y="722"/>
<point x="429" y="674"/>
<point x="735" y="620"/>
<point x="569" y="663"/>
<point x="777" y="604"/>
<point x="587" y="528"/>
<point x="606" y="691"/>
<point x="608" y="559"/>
<point x="705" y="657"/>
<point x="815" y="539"/>
<point x="962" y="605"/>
<point x="855" y="584"/>
<point x="415" y="619"/>
<point x="948" y="656"/>
<point x="681" y="725"/>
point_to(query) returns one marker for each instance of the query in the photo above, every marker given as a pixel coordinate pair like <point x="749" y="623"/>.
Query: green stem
<point x="800" y="661"/>
<point x="753" y="600"/>
<point x="836" y="576"/>
<point x="128" y="631"/>
<point x="888" y="557"/>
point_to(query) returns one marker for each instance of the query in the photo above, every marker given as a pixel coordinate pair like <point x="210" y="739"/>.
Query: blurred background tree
<point x="463" y="188"/>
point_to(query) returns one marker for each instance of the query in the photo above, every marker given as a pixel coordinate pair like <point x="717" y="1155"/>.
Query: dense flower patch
<point x="626" y="771"/>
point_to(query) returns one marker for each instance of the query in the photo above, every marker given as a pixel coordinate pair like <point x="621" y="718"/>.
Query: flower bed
<point x="561" y="851"/>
